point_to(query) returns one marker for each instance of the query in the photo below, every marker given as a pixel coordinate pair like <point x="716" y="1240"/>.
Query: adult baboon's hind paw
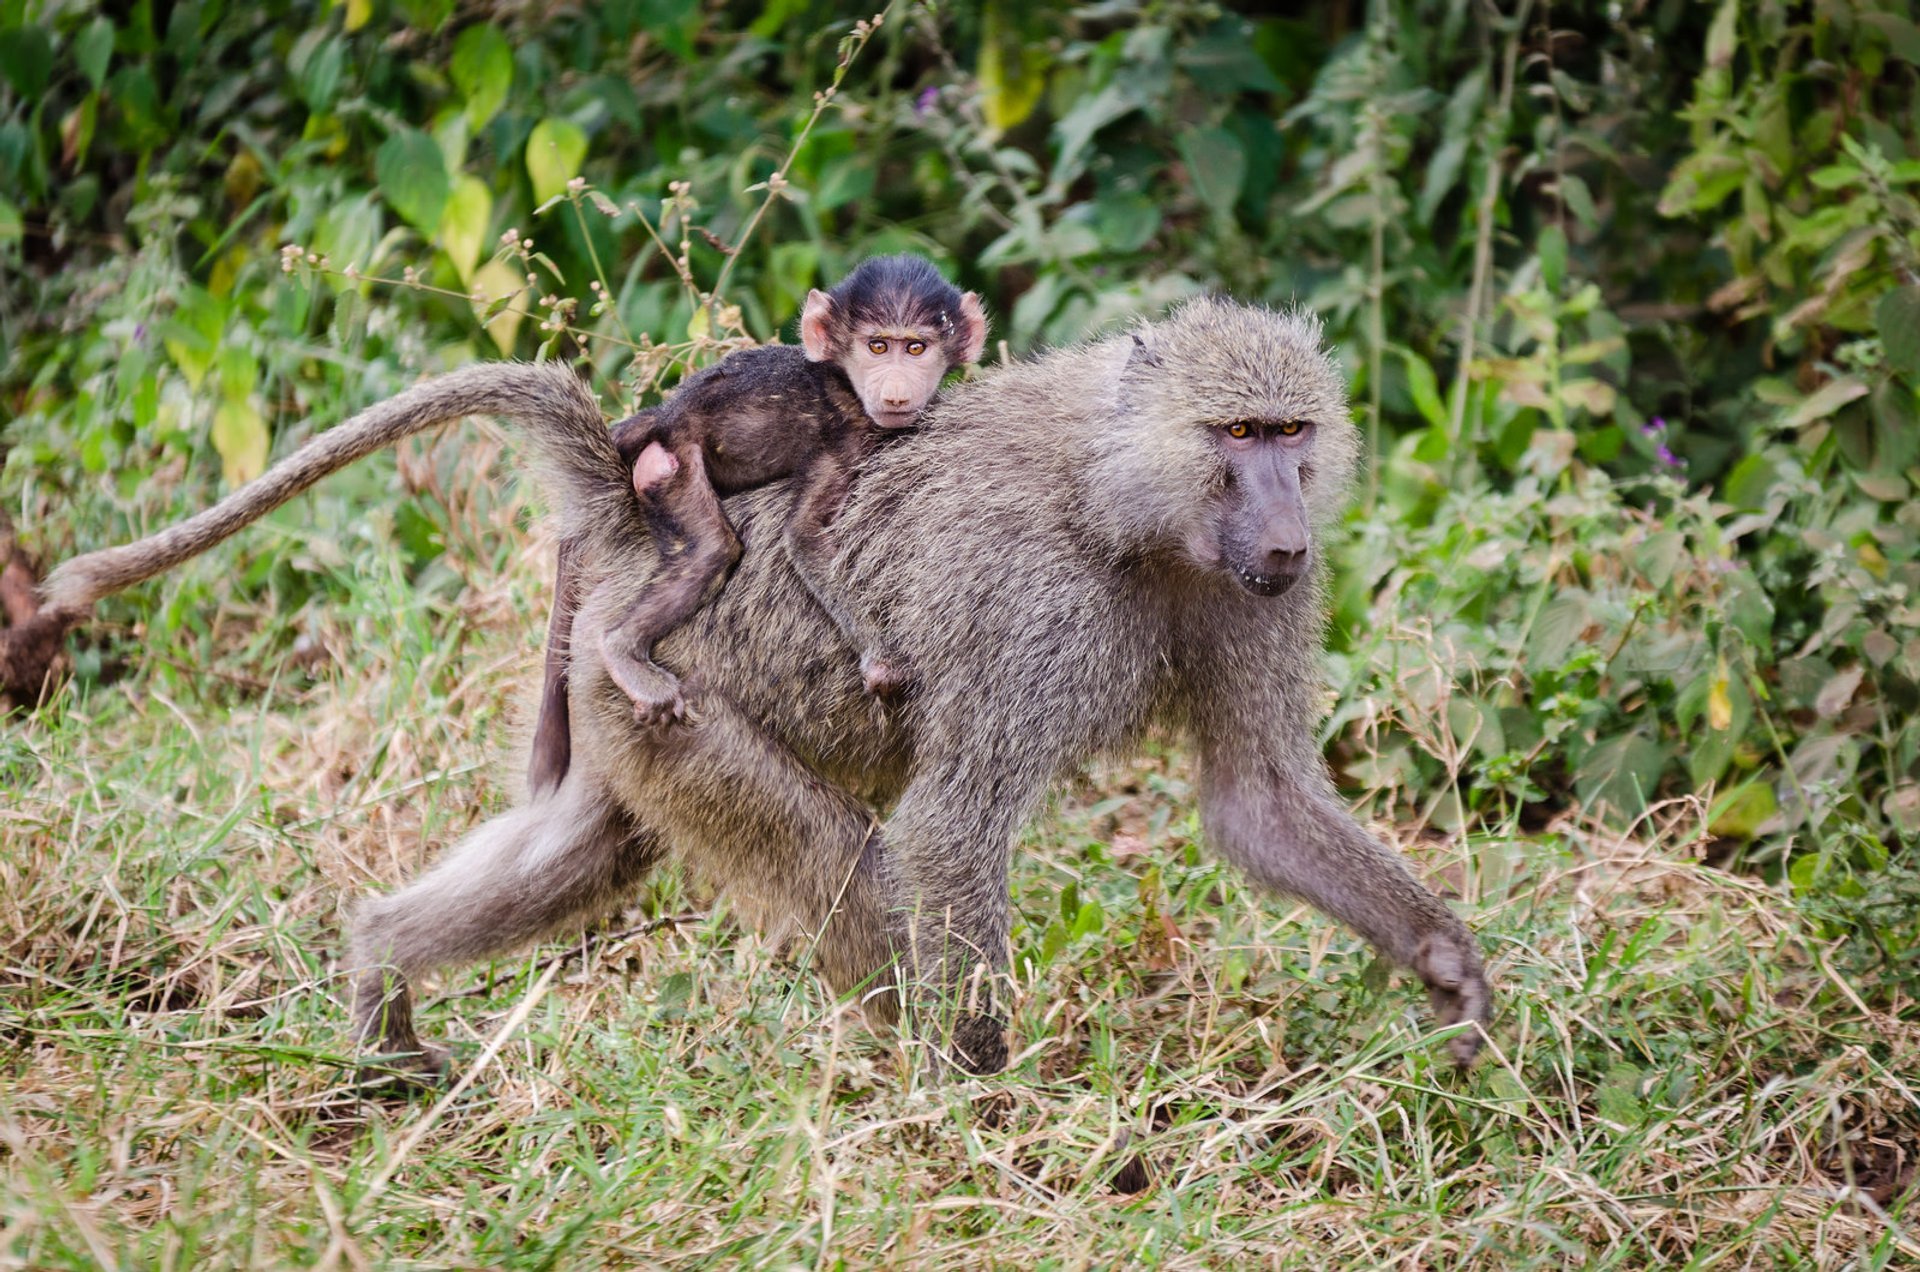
<point x="1449" y="963"/>
<point x="422" y="1069"/>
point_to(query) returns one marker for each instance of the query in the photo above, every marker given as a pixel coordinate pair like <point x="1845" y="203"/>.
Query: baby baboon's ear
<point x="816" y="326"/>
<point x="973" y="328"/>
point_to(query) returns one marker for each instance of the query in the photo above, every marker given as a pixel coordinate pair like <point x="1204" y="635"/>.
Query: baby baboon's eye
<point x="1292" y="428"/>
<point x="1239" y="430"/>
<point x="876" y="347"/>
<point x="916" y="347"/>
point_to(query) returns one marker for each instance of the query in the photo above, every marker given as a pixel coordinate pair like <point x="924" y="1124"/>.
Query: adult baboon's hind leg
<point x="526" y="873"/>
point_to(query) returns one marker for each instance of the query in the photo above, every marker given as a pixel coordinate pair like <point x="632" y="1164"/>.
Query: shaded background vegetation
<point x="1630" y="296"/>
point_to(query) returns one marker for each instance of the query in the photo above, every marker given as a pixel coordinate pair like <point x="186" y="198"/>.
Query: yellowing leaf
<point x="699" y="324"/>
<point x="240" y="435"/>
<point x="358" y="11"/>
<point x="555" y="150"/>
<point x="463" y="226"/>
<point x="495" y="281"/>
<point x="1719" y="704"/>
<point x="1013" y="65"/>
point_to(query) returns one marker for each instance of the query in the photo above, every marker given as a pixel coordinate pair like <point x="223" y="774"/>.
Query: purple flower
<point x="1667" y="456"/>
<point x="1653" y="429"/>
<point x="923" y="104"/>
<point x="139" y="333"/>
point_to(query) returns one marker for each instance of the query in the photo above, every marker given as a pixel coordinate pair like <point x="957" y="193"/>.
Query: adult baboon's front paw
<point x="1449" y="962"/>
<point x="886" y="675"/>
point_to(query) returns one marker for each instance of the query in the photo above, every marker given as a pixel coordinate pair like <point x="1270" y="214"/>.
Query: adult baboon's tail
<point x="548" y="402"/>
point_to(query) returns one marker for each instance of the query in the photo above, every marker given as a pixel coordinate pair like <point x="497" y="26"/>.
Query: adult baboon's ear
<point x="1146" y="352"/>
<point x="816" y="326"/>
<point x="973" y="323"/>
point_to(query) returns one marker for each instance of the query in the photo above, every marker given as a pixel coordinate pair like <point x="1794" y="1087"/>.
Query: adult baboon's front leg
<point x="1291" y="833"/>
<point x="950" y="841"/>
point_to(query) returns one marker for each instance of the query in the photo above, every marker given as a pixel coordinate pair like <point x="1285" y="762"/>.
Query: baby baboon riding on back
<point x="872" y="351"/>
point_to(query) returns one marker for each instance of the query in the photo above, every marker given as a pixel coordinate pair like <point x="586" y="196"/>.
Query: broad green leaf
<point x="1742" y="811"/>
<point x="1898" y="318"/>
<point x="425" y="15"/>
<point x="482" y="69"/>
<point x="555" y="150"/>
<point x="413" y="177"/>
<point x="1013" y="65"/>
<point x="240" y="435"/>
<point x="1553" y="257"/>
<point x="12" y="227"/>
<point x="1424" y="388"/>
<point x="93" y="50"/>
<point x="358" y="12"/>
<point x="496" y="282"/>
<point x="1829" y="398"/>
<point x="1557" y="630"/>
<point x="1617" y="1099"/>
<point x="1217" y="165"/>
<point x="26" y="58"/>
<point x="1224" y="61"/>
<point x="317" y="61"/>
<point x="239" y="372"/>
<point x="1621" y="773"/>
<point x="463" y="226"/>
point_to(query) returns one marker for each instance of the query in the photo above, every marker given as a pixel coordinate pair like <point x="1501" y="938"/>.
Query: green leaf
<point x="555" y="150"/>
<point x="240" y="435"/>
<point x="1224" y="61"/>
<point x="1898" y="317"/>
<point x="93" y="50"/>
<point x="1579" y="201"/>
<point x="425" y="15"/>
<point x="1424" y="388"/>
<point x="1621" y="773"/>
<point x="1742" y="811"/>
<point x="1617" y="1099"/>
<point x="482" y="69"/>
<point x="317" y="62"/>
<point x="1724" y="32"/>
<point x="1013" y="63"/>
<point x="1829" y="398"/>
<point x="1902" y="36"/>
<point x="463" y="226"/>
<point x="413" y="177"/>
<point x="1553" y="258"/>
<point x="1557" y="630"/>
<point x="26" y="57"/>
<point x="498" y="282"/>
<point x="1217" y="165"/>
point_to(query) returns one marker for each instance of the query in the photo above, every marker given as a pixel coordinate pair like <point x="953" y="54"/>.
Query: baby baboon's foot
<point x="885" y="674"/>
<point x="653" y="690"/>
<point x="1449" y="962"/>
<point x="652" y="468"/>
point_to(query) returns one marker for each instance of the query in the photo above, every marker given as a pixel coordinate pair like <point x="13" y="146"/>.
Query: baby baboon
<point x="872" y="351"/>
<point x="1129" y="545"/>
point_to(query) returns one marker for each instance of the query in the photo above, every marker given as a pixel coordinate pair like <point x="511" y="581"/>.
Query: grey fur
<point x="1048" y="553"/>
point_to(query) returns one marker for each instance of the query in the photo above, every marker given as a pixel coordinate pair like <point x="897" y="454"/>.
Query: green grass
<point x="1204" y="1077"/>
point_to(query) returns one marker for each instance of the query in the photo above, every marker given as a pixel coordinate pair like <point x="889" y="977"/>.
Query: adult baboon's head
<point x="1233" y="442"/>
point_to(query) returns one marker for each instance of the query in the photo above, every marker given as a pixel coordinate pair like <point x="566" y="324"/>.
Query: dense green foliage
<point x="1630" y="295"/>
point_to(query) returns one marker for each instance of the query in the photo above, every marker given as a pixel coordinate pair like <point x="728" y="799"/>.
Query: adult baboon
<point x="1077" y="549"/>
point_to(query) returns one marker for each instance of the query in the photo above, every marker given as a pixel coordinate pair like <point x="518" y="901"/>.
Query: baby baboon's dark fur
<point x="873" y="350"/>
<point x="1128" y="545"/>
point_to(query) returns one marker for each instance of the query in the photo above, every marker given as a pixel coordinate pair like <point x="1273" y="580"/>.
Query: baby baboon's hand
<point x="885" y="674"/>
<point x="1449" y="962"/>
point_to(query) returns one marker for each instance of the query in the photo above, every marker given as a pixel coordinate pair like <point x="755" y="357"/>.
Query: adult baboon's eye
<point x="876" y="347"/>
<point x="1292" y="428"/>
<point x="1240" y="430"/>
<point x="916" y="347"/>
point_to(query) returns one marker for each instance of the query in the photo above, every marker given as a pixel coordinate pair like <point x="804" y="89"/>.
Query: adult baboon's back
<point x="1074" y="550"/>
